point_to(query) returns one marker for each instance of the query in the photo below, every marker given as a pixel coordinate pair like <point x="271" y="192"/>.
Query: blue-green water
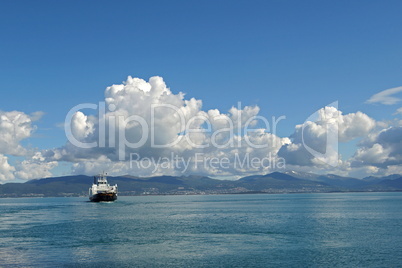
<point x="300" y="230"/>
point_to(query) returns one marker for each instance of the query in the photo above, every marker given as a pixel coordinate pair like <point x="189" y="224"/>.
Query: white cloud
<point x="382" y="149"/>
<point x="385" y="96"/>
<point x="169" y="118"/>
<point x="81" y="125"/>
<point x="376" y="154"/>
<point x="6" y="170"/>
<point x="393" y="169"/>
<point x="314" y="135"/>
<point x="166" y="118"/>
<point x="398" y="111"/>
<point x="35" y="167"/>
<point x="354" y="125"/>
<point x="35" y="116"/>
<point x="212" y="134"/>
<point x="14" y="127"/>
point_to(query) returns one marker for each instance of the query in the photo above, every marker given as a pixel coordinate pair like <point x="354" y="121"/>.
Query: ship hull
<point x="103" y="197"/>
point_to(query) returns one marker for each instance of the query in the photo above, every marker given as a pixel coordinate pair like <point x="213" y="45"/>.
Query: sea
<point x="258" y="230"/>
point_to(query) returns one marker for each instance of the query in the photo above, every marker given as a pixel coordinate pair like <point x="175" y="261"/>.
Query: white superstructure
<point x="101" y="190"/>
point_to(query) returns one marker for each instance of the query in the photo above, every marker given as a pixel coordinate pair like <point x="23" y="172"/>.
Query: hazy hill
<point x="281" y="182"/>
<point x="387" y="185"/>
<point x="276" y="182"/>
<point x="378" y="179"/>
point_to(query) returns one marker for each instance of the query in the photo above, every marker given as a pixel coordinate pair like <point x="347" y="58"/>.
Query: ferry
<point x="101" y="191"/>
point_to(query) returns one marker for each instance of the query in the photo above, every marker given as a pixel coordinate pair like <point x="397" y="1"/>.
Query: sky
<point x="211" y="59"/>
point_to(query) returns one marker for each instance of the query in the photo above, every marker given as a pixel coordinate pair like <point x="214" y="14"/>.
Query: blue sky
<point x="288" y="57"/>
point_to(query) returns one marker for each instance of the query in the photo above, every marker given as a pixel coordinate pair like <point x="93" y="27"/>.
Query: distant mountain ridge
<point x="276" y="182"/>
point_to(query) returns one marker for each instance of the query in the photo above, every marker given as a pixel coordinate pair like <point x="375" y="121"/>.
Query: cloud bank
<point x="15" y="127"/>
<point x="147" y="120"/>
<point x="143" y="128"/>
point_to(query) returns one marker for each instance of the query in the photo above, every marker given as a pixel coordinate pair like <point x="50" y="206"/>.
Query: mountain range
<point x="276" y="182"/>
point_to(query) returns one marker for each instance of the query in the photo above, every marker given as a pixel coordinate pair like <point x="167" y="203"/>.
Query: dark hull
<point x="103" y="197"/>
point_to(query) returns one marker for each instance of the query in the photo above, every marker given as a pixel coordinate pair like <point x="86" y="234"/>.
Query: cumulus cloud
<point x="383" y="149"/>
<point x="354" y="125"/>
<point x="149" y="120"/>
<point x="14" y="127"/>
<point x="143" y="128"/>
<point x="6" y="170"/>
<point x="34" y="167"/>
<point x="376" y="154"/>
<point x="82" y="125"/>
<point x="312" y="144"/>
<point x="385" y="96"/>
